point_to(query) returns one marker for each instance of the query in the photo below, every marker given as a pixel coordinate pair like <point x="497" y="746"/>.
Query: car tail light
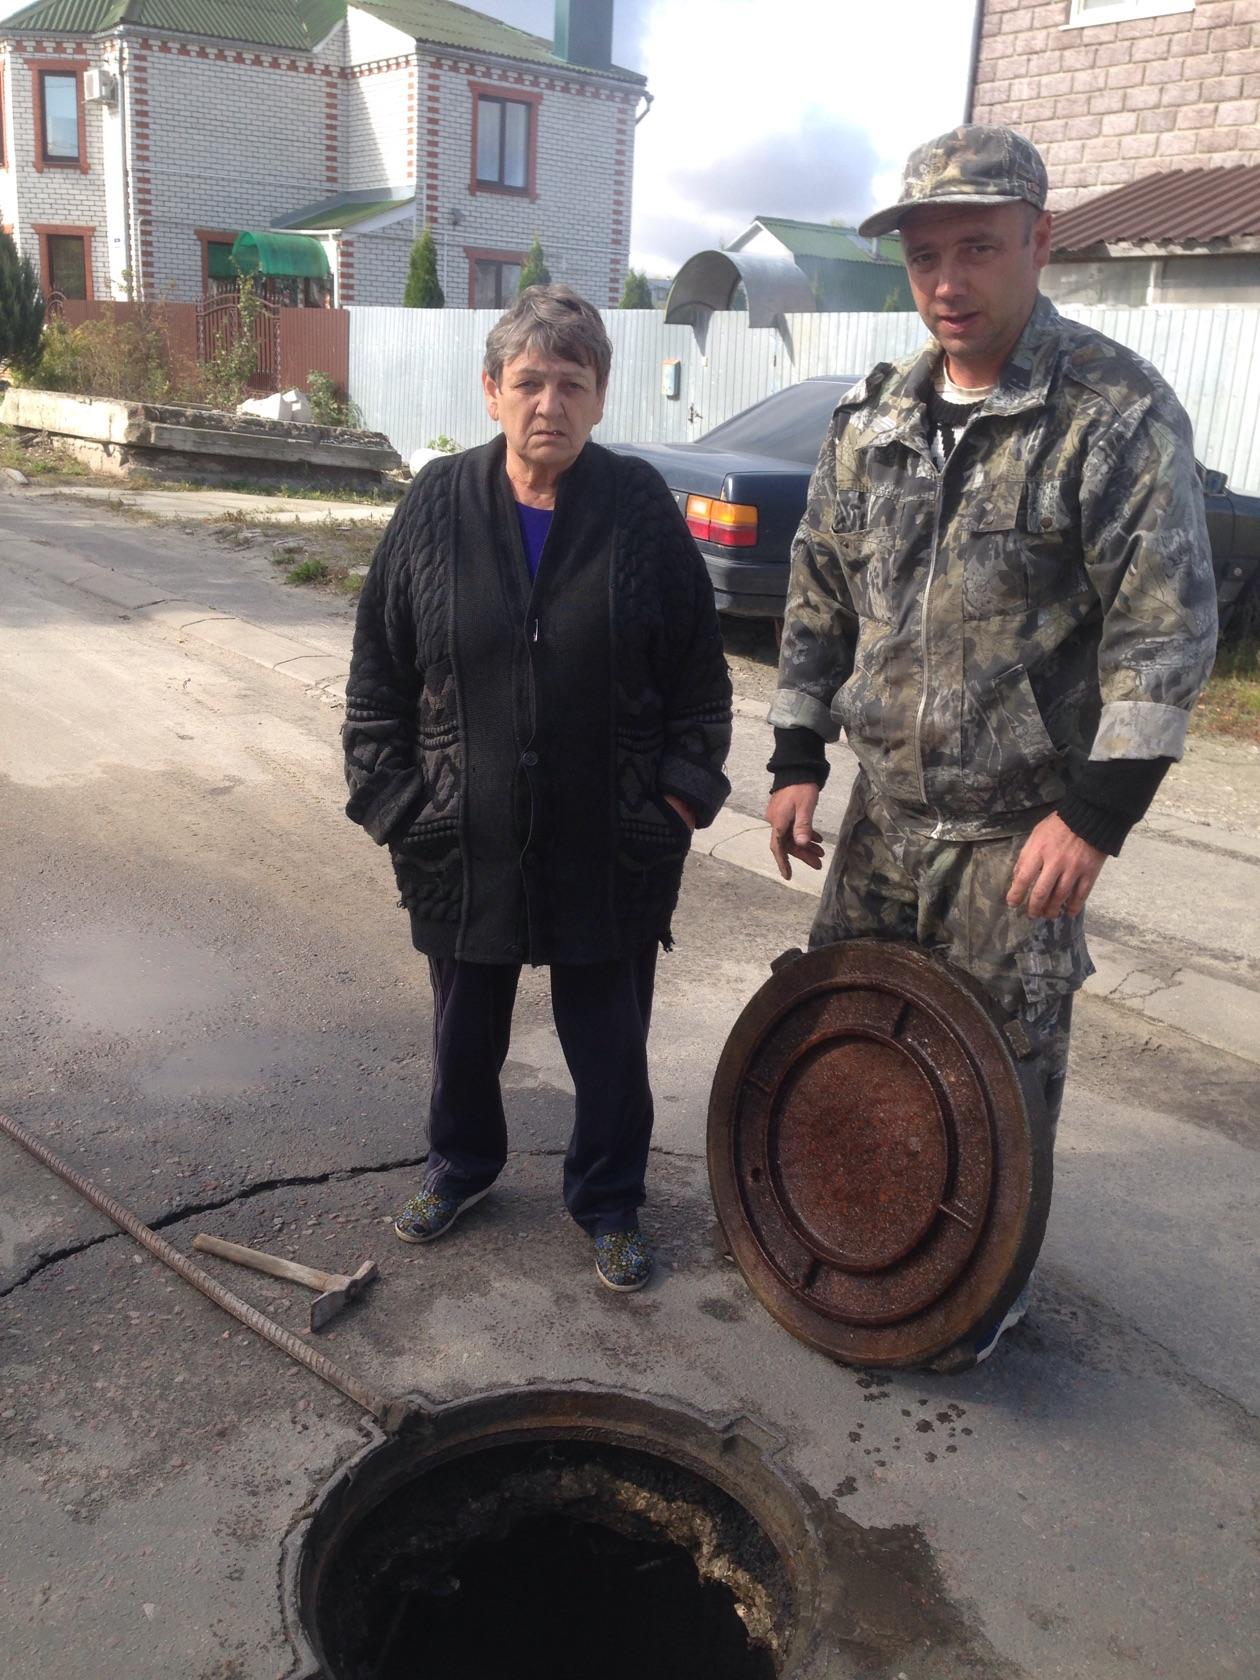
<point x="729" y="524"/>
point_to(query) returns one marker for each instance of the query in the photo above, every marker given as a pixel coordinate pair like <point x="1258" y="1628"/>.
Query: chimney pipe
<point x="584" y="33"/>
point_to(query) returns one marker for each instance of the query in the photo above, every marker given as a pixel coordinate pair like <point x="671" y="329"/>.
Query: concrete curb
<point x="310" y="666"/>
<point x="1213" y="1011"/>
<point x="213" y="504"/>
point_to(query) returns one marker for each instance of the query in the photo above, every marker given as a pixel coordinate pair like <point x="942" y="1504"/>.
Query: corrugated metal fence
<point x="414" y="373"/>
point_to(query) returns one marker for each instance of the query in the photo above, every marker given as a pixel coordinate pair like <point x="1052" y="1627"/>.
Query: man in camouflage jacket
<point x="1002" y="592"/>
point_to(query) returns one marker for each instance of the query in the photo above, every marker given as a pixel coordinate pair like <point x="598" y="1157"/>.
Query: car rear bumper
<point x="749" y="588"/>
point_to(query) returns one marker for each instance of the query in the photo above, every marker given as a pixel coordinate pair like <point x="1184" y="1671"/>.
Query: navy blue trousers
<point x="602" y="1013"/>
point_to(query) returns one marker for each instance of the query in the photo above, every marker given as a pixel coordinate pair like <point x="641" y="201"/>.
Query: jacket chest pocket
<point x="1022" y="549"/>
<point x="863" y="547"/>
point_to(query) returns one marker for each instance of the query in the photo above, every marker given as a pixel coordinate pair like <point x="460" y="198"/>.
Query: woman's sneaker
<point x="432" y="1213"/>
<point x="623" y="1260"/>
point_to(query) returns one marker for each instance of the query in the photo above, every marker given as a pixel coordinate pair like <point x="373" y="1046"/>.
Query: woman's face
<point x="547" y="409"/>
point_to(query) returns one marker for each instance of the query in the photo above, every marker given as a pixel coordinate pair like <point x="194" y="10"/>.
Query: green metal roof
<point x="288" y="256"/>
<point x="346" y="213"/>
<point x="299" y="24"/>
<point x="822" y="239"/>
<point x="446" y="24"/>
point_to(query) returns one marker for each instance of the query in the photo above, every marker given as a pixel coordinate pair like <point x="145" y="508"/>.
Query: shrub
<point x="21" y="309"/>
<point x="636" y="293"/>
<point x="535" y="271"/>
<point x="330" y="405"/>
<point x="423" y="290"/>
<point x="113" y="356"/>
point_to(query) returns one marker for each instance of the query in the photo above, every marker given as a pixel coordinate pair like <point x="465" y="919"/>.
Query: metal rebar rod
<point x="380" y="1407"/>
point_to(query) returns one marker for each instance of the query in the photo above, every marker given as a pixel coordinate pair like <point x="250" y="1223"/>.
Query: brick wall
<point x="8" y="189"/>
<point x="1110" y="102"/>
<point x="54" y="197"/>
<point x="235" y="138"/>
<point x="378" y="118"/>
<point x="380" y="264"/>
<point x="583" y="179"/>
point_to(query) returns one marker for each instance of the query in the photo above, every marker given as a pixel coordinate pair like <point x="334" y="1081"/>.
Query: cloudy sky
<point x="778" y="107"/>
<point x="781" y="107"/>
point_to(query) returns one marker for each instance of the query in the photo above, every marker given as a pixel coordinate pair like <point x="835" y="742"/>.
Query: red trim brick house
<point x="138" y="137"/>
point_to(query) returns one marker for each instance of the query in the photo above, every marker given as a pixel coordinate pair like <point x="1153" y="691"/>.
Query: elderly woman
<point x="537" y="716"/>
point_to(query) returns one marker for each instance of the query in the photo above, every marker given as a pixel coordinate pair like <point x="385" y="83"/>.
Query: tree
<point x="21" y="310"/>
<point x="535" y="271"/>
<point x="636" y="293"/>
<point x="423" y="289"/>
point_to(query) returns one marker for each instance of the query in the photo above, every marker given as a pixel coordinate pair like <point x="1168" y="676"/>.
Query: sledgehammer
<point x="336" y="1288"/>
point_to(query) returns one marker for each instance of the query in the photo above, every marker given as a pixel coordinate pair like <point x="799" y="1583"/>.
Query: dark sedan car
<point x="742" y="488"/>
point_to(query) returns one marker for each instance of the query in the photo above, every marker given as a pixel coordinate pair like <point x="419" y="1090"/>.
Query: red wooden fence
<point x="311" y="340"/>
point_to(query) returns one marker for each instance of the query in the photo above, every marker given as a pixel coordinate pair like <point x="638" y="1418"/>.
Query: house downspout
<point x="124" y="66"/>
<point x="977" y="31"/>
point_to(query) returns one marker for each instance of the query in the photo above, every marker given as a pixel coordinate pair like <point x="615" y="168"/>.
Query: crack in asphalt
<point x="176" y="1216"/>
<point x="341" y="1175"/>
<point x="1119" y="994"/>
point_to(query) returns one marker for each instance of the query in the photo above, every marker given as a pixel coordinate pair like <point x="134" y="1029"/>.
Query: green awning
<point x="287" y="256"/>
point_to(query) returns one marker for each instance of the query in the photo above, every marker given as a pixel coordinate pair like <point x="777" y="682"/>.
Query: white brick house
<point x="132" y="154"/>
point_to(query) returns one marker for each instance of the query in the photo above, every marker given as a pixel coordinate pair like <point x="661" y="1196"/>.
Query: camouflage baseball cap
<point x="970" y="165"/>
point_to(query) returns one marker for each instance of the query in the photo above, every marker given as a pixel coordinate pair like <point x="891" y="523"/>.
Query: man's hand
<point x="1055" y="871"/>
<point x="684" y="810"/>
<point x="790" y="814"/>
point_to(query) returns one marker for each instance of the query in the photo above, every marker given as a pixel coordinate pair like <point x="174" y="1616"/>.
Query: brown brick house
<point x="1109" y="90"/>
<point x="1116" y="92"/>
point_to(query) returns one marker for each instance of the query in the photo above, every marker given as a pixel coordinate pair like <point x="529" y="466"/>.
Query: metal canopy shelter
<point x="709" y="281"/>
<point x="281" y="256"/>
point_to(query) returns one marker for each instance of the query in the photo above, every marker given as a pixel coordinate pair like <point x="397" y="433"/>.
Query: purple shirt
<point x="535" y="523"/>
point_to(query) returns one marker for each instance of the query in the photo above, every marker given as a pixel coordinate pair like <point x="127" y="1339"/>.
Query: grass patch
<point x="41" y="461"/>
<point x="308" y="571"/>
<point x="1230" y="704"/>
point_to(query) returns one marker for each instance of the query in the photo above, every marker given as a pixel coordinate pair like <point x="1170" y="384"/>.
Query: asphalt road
<point x="213" y="1010"/>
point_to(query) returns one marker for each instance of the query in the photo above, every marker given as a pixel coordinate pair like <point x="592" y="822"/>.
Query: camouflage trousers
<point x="888" y="881"/>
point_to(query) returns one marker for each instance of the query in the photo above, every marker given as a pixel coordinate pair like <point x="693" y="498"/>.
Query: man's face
<point x="973" y="270"/>
<point x="547" y="408"/>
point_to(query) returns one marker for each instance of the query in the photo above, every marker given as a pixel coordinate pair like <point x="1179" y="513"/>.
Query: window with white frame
<point x="1119" y="11"/>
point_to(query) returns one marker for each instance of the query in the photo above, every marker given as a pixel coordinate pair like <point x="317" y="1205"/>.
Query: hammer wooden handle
<point x="270" y="1263"/>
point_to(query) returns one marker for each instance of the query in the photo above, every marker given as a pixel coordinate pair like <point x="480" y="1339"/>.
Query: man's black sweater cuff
<point x="1109" y="796"/>
<point x="800" y="755"/>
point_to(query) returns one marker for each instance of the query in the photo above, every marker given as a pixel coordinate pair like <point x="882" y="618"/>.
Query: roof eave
<point x="1103" y="250"/>
<point x="541" y="66"/>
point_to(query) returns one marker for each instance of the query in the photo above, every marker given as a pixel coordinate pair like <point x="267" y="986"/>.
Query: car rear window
<point x="787" y="426"/>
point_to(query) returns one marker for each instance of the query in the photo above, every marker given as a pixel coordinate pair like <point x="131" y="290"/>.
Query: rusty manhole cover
<point x="880" y="1171"/>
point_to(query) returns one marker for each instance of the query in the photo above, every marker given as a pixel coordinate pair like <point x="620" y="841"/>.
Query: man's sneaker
<point x="965" y="1356"/>
<point x="623" y="1260"/>
<point x="431" y="1213"/>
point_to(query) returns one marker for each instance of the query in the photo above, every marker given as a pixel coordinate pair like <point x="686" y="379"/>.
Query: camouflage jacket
<point x="1047" y="597"/>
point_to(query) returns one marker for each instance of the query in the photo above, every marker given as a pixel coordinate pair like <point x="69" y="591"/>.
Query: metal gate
<point x="221" y="322"/>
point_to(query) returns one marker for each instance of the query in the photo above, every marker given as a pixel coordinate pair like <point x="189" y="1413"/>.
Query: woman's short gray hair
<point x="555" y="321"/>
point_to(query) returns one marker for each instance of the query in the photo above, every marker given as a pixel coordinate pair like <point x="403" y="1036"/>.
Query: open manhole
<point x="557" y="1534"/>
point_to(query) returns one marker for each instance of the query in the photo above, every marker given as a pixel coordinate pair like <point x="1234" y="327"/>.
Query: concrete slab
<point x="119" y="588"/>
<point x="213" y="504"/>
<point x="315" y="668"/>
<point x="179" y="615"/>
<point x="233" y="635"/>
